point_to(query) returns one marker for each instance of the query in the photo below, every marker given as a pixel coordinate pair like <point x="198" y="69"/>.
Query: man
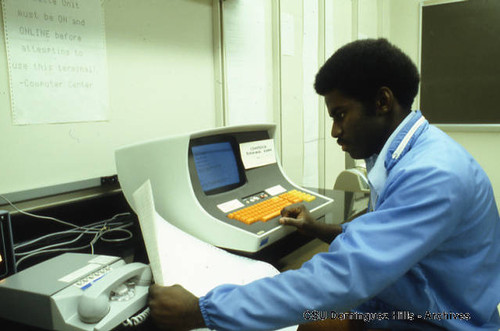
<point x="425" y="257"/>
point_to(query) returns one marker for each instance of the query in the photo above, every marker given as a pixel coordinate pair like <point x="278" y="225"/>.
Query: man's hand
<point x="174" y="308"/>
<point x="299" y="216"/>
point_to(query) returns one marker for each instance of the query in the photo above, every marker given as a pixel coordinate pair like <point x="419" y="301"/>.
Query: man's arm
<point x="175" y="308"/>
<point x="298" y="216"/>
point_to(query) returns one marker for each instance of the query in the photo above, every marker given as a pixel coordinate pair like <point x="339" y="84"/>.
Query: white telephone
<point x="76" y="292"/>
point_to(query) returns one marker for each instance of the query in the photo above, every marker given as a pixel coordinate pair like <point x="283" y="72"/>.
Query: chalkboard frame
<point x="428" y="10"/>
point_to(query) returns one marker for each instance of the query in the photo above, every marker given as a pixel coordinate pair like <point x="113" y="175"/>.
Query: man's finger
<point x="291" y="221"/>
<point x="153" y="292"/>
<point x="291" y="211"/>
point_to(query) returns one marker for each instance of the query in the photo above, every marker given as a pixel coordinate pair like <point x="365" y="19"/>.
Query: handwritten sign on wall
<point x="57" y="60"/>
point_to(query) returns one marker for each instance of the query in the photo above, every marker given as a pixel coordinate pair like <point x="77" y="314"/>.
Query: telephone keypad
<point x="88" y="280"/>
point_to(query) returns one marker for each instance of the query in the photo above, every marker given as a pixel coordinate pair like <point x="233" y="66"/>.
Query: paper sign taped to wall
<point x="257" y="153"/>
<point x="56" y="54"/>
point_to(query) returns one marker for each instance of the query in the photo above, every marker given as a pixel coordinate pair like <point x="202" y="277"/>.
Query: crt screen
<point x="216" y="165"/>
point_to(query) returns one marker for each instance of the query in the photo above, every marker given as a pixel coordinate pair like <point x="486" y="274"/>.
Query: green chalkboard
<point x="460" y="62"/>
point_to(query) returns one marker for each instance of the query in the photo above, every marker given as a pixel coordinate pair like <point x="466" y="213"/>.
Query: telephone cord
<point x="137" y="319"/>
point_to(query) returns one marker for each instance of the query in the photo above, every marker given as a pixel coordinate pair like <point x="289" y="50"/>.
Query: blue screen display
<point x="216" y="165"/>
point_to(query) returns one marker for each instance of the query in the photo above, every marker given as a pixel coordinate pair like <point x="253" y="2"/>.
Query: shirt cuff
<point x="202" y="302"/>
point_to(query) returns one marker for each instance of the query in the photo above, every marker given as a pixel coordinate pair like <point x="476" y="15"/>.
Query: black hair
<point x="360" y="68"/>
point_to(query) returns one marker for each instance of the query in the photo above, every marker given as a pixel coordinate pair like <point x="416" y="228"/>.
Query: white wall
<point x="301" y="108"/>
<point x="292" y="150"/>
<point x="340" y="29"/>
<point x="160" y="58"/>
<point x="250" y="42"/>
<point x="301" y="112"/>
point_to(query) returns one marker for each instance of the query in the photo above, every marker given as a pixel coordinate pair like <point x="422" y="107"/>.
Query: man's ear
<point x="384" y="101"/>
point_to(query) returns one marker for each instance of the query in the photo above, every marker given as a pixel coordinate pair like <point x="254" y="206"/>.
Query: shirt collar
<point x="377" y="174"/>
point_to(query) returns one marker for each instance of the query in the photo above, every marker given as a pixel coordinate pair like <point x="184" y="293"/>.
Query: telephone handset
<point x="117" y="285"/>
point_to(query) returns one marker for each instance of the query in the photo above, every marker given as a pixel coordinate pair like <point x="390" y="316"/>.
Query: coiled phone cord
<point x="137" y="319"/>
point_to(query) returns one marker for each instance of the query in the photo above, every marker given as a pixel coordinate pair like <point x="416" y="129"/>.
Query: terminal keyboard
<point x="270" y="208"/>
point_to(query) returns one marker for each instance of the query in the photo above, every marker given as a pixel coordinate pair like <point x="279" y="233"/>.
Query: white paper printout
<point x="179" y="258"/>
<point x="57" y="60"/>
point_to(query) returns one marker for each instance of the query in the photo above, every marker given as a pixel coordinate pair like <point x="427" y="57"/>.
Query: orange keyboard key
<point x="270" y="216"/>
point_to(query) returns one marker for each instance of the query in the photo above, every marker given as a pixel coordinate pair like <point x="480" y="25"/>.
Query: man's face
<point x="360" y="132"/>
